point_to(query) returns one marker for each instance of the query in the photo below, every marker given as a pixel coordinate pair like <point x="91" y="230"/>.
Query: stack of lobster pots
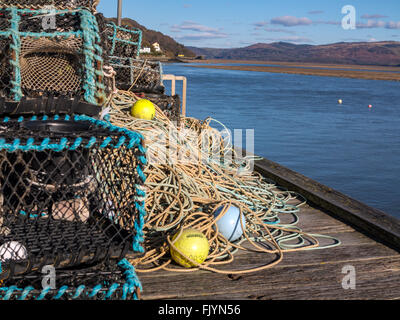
<point x="71" y="185"/>
<point x="140" y="76"/>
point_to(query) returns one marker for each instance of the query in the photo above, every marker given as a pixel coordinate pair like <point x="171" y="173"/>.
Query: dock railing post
<point x="173" y="79"/>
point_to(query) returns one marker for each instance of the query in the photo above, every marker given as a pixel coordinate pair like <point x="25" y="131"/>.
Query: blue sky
<point x="234" y="23"/>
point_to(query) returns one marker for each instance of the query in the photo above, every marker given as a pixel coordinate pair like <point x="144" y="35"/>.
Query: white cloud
<point x="290" y="21"/>
<point x="371" y="24"/>
<point x="199" y="31"/>
<point x="379" y="24"/>
<point x="192" y="26"/>
<point x="294" y="39"/>
<point x="202" y="36"/>
<point x="334" y="23"/>
<point x="393" y="25"/>
<point x="315" y="12"/>
<point x="260" y="24"/>
<point x="373" y="16"/>
<point x="280" y="30"/>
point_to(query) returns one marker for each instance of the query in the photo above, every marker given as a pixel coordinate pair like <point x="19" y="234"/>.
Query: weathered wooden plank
<point x="293" y="266"/>
<point x="287" y="282"/>
<point x="318" y="291"/>
<point x="291" y="283"/>
<point x="360" y="249"/>
<point x="341" y="254"/>
<point x="373" y="222"/>
<point x="315" y="221"/>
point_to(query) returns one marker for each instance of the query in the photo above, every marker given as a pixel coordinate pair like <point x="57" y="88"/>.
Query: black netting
<point x="71" y="193"/>
<point x="138" y="75"/>
<point x="103" y="33"/>
<point x="171" y="105"/>
<point x="4" y="21"/>
<point x="100" y="282"/>
<point x="59" y="4"/>
<point x="102" y="23"/>
<point x="6" y="69"/>
<point x="123" y="41"/>
<point x="64" y="23"/>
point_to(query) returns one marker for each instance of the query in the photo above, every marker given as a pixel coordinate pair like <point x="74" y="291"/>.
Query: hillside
<point x="168" y="45"/>
<point x="366" y="53"/>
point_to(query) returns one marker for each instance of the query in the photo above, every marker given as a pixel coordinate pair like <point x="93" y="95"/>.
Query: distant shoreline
<point x="326" y="70"/>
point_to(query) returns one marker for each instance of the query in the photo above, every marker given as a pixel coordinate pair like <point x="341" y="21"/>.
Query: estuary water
<point x="299" y="123"/>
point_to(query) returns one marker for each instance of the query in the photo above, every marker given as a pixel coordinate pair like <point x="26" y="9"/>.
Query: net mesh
<point x="59" y="4"/>
<point x="170" y="105"/>
<point x="123" y="41"/>
<point x="72" y="192"/>
<point x="138" y="75"/>
<point x="61" y="58"/>
<point x="6" y="69"/>
<point x="4" y="20"/>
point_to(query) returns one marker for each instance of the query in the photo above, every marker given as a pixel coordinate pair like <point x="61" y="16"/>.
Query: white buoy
<point x="229" y="224"/>
<point x="12" y="250"/>
<point x="340" y="101"/>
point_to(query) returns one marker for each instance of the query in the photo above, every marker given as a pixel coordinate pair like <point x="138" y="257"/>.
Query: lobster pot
<point x="123" y="42"/>
<point x="72" y="192"/>
<point x="101" y="282"/>
<point x="170" y="105"/>
<point x="57" y="4"/>
<point x="141" y="76"/>
<point x="37" y="60"/>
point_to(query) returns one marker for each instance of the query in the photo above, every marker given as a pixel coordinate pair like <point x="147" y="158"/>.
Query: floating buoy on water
<point x="143" y="109"/>
<point x="193" y="244"/>
<point x="340" y="101"/>
<point x="370" y="106"/>
<point x="229" y="224"/>
<point x="12" y="250"/>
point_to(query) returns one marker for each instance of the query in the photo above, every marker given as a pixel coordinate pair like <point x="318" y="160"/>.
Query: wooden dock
<point x="370" y="244"/>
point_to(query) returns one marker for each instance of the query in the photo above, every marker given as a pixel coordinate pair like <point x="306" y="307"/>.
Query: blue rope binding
<point x="129" y="288"/>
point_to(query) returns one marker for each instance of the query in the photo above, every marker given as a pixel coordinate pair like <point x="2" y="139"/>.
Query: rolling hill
<point x="385" y="53"/>
<point x="170" y="47"/>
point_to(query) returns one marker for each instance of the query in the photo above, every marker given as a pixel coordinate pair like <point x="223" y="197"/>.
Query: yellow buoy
<point x="340" y="101"/>
<point x="193" y="244"/>
<point x="143" y="109"/>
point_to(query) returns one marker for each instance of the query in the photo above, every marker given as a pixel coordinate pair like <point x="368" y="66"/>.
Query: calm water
<point x="296" y="67"/>
<point x="299" y="124"/>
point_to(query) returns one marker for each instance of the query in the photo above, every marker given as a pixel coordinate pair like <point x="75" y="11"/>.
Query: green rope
<point x="16" y="48"/>
<point x="115" y="38"/>
<point x="88" y="45"/>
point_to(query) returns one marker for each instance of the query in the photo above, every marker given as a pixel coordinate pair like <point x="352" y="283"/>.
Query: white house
<point x="156" y="47"/>
<point x="145" y="50"/>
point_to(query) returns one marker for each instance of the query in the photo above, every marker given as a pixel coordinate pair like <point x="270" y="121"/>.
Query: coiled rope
<point x="185" y="186"/>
